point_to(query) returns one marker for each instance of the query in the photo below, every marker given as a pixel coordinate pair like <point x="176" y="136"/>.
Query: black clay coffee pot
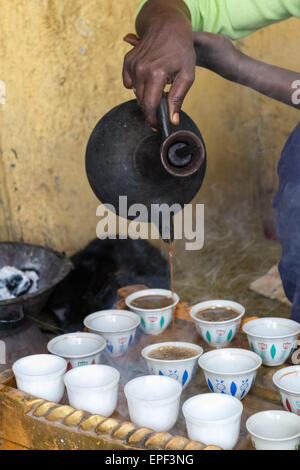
<point x="126" y="157"/>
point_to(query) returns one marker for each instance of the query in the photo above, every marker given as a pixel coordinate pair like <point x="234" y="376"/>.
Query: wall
<point x="61" y="64"/>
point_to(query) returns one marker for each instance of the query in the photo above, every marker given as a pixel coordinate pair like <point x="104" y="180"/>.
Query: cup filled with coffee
<point x="155" y="308"/>
<point x="217" y="321"/>
<point x="175" y="359"/>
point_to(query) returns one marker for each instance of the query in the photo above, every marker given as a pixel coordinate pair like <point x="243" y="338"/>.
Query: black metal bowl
<point x="52" y="267"/>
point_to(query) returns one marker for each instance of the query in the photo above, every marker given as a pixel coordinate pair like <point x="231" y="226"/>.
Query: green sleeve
<point x="141" y="5"/>
<point x="238" y="18"/>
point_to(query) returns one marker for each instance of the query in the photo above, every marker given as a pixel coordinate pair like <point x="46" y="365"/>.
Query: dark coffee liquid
<point x="152" y="302"/>
<point x="172" y="277"/>
<point x="217" y="314"/>
<point x="172" y="353"/>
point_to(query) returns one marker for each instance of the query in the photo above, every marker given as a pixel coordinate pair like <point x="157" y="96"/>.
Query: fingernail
<point x="175" y="119"/>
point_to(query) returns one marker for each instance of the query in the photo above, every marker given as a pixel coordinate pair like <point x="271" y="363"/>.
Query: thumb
<point x="131" y="39"/>
<point x="177" y="93"/>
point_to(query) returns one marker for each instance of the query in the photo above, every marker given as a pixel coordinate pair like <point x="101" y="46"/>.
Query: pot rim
<point x="271" y="439"/>
<point x="135" y="295"/>
<point x="235" y="350"/>
<point x="104" y="387"/>
<point x="285" y="371"/>
<point x="246" y="328"/>
<point x="214" y="421"/>
<point x="58" y="372"/>
<point x="150" y="347"/>
<point x="220" y="302"/>
<point x="53" y="341"/>
<point x="104" y="313"/>
<point x="155" y="401"/>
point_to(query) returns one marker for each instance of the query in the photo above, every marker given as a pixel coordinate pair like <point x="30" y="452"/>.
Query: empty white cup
<point x="118" y="327"/>
<point x="79" y="349"/>
<point x="287" y="380"/>
<point x="213" y="419"/>
<point x="274" y="430"/>
<point x="93" y="388"/>
<point x="231" y="370"/>
<point x="273" y="339"/>
<point x="153" y="401"/>
<point x="41" y="375"/>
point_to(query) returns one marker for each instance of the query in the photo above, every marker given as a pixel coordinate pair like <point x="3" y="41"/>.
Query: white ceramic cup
<point x="213" y="419"/>
<point x="78" y="349"/>
<point x="41" y="375"/>
<point x="273" y="339"/>
<point x="93" y="388"/>
<point x="218" y="333"/>
<point x="118" y="327"/>
<point x="182" y="370"/>
<point x="153" y="401"/>
<point x="287" y="380"/>
<point x="274" y="430"/>
<point x="232" y="371"/>
<point x="153" y="322"/>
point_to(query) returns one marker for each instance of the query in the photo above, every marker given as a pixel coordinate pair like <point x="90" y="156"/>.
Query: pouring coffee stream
<point x="171" y="263"/>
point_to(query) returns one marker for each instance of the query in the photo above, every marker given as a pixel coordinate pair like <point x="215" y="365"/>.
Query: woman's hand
<point x="163" y="57"/>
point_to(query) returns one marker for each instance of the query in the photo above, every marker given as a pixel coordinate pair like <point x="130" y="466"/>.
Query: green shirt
<point x="238" y="18"/>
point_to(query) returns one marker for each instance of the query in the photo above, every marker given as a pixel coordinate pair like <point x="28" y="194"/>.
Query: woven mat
<point x="270" y="286"/>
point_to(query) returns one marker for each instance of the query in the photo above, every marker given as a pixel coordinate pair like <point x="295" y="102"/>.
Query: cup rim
<point x="58" y="372"/>
<point x="196" y="307"/>
<point x="104" y="313"/>
<point x="53" y="341"/>
<point x="214" y="421"/>
<point x="271" y="439"/>
<point x="247" y="328"/>
<point x="137" y="294"/>
<point x="172" y="398"/>
<point x="285" y="371"/>
<point x="77" y="370"/>
<point x="150" y="347"/>
<point x="216" y="352"/>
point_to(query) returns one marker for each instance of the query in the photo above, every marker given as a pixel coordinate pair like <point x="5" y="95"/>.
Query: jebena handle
<point x="163" y="117"/>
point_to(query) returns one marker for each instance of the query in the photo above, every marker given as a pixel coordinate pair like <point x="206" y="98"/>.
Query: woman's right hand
<point x="164" y="55"/>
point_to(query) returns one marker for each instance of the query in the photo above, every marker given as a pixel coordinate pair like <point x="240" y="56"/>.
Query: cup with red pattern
<point x="117" y="327"/>
<point x="154" y="320"/>
<point x="217" y="332"/>
<point x="78" y="349"/>
<point x="273" y="339"/>
<point x="287" y="381"/>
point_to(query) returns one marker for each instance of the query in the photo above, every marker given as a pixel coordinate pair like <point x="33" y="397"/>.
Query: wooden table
<point x="33" y="423"/>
